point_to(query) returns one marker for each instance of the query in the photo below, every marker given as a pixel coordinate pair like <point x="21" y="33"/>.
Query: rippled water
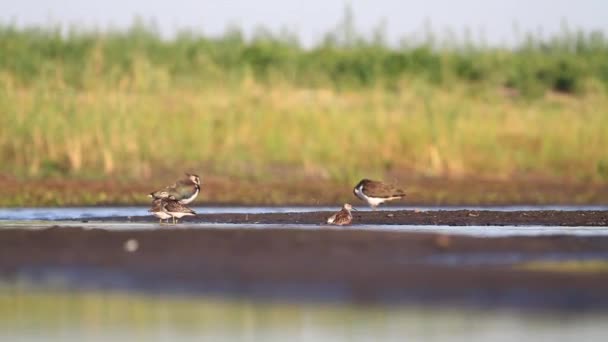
<point x="92" y="212"/>
<point x="28" y="314"/>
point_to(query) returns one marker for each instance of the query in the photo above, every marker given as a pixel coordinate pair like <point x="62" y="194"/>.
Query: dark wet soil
<point x="342" y="264"/>
<point x="409" y="217"/>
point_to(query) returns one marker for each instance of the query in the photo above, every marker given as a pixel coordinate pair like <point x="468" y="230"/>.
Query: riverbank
<point x="283" y="192"/>
<point x="403" y="217"/>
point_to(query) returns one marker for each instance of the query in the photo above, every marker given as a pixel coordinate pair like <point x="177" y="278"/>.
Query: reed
<point x="247" y="130"/>
<point x="130" y="105"/>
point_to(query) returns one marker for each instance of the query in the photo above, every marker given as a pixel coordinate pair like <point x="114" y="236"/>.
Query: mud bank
<point x="406" y="217"/>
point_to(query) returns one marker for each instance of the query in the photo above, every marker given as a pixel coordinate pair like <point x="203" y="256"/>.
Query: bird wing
<point x="342" y="217"/>
<point x="382" y="190"/>
<point x="184" y="189"/>
<point x="179" y="190"/>
<point x="176" y="207"/>
<point x="157" y="205"/>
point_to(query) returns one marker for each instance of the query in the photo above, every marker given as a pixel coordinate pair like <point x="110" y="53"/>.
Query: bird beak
<point x="355" y="209"/>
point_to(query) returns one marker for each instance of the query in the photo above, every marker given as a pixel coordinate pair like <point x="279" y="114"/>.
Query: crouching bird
<point x="342" y="217"/>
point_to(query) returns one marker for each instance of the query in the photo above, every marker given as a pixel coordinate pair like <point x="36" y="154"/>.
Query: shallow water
<point x="93" y="212"/>
<point x="477" y="231"/>
<point x="30" y="314"/>
<point x="65" y="311"/>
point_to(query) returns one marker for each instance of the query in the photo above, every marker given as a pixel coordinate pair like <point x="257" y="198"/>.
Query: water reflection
<point x="60" y="315"/>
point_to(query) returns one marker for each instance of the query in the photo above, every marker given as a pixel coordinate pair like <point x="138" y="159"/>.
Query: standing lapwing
<point x="376" y="193"/>
<point x="184" y="190"/>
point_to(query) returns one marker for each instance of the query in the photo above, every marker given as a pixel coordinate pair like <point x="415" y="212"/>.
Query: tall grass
<point x="128" y="104"/>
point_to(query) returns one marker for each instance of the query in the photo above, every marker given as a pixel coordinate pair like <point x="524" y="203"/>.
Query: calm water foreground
<point x="29" y="314"/>
<point x="54" y="312"/>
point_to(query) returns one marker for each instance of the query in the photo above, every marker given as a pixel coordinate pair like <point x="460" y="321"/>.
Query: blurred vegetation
<point x="566" y="266"/>
<point x="127" y="103"/>
<point x="67" y="314"/>
<point x="344" y="59"/>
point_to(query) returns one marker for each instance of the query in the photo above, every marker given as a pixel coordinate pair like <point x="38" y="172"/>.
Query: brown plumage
<point x="342" y="217"/>
<point x="158" y="209"/>
<point x="376" y="192"/>
<point x="177" y="210"/>
<point x="184" y="190"/>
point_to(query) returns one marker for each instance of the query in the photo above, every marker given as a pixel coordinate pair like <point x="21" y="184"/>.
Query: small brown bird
<point x="342" y="217"/>
<point x="177" y="210"/>
<point x="158" y="209"/>
<point x="184" y="190"/>
<point x="376" y="193"/>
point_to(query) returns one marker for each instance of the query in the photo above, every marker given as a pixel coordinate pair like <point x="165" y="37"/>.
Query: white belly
<point x="180" y="215"/>
<point x="162" y="215"/>
<point x="191" y="198"/>
<point x="372" y="201"/>
<point x="375" y="201"/>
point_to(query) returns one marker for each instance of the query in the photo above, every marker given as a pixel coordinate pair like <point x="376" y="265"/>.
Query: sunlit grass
<point x="572" y="266"/>
<point x="126" y="105"/>
<point x="241" y="130"/>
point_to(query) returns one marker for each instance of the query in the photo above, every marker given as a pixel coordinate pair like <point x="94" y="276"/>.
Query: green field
<point x="131" y="105"/>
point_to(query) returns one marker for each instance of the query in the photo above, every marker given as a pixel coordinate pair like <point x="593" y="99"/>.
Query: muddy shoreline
<point x="344" y="265"/>
<point x="405" y="217"/>
<point x="290" y="191"/>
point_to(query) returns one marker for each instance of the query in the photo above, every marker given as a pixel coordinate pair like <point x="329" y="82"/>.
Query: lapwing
<point x="342" y="217"/>
<point x="376" y="193"/>
<point x="184" y="190"/>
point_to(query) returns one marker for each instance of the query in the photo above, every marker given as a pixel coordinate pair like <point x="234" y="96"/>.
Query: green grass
<point x="343" y="60"/>
<point x="128" y="104"/>
<point x="571" y="266"/>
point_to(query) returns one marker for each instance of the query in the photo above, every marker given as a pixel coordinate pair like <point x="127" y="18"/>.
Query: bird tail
<point x="399" y="193"/>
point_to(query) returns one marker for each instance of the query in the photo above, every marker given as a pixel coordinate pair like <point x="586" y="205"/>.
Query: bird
<point x="184" y="190"/>
<point x="176" y="209"/>
<point x="376" y="192"/>
<point x="158" y="209"/>
<point x="342" y="217"/>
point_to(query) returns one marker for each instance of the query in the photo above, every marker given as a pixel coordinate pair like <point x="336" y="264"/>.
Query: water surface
<point x="477" y="231"/>
<point x="30" y="314"/>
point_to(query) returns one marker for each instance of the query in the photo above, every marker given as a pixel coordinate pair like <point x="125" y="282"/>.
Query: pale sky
<point x="311" y="18"/>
